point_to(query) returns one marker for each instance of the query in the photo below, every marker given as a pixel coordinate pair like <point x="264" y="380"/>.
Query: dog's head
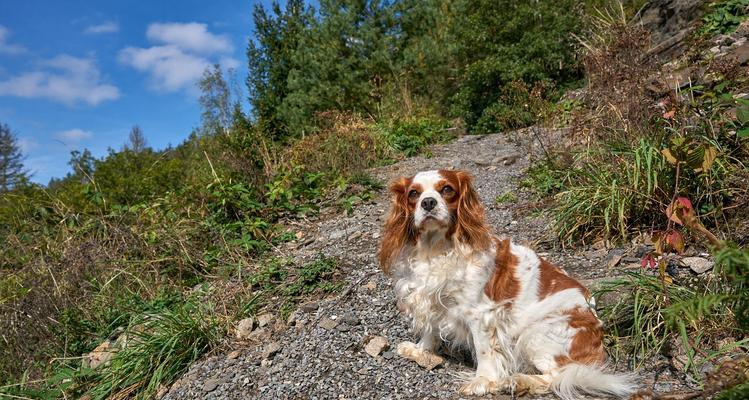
<point x="439" y="204"/>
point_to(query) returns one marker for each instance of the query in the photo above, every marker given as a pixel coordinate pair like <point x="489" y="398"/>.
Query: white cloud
<point x="74" y="135"/>
<point x="7" y="48"/>
<point x="26" y="145"/>
<point x="170" y="68"/>
<point x="192" y="36"/>
<point x="66" y="79"/>
<point x="182" y="53"/>
<point x="105" y="27"/>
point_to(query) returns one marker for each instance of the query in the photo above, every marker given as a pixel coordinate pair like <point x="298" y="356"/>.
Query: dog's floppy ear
<point x="398" y="230"/>
<point x="470" y="224"/>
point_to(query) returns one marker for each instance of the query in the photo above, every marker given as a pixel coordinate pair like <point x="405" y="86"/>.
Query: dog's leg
<point x="491" y="364"/>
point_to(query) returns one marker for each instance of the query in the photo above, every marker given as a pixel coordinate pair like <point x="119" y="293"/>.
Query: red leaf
<point x="648" y="260"/>
<point x="679" y="209"/>
<point x="669" y="114"/>
<point x="676" y="241"/>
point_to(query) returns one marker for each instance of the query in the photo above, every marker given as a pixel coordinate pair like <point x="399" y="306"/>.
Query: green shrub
<point x="411" y="136"/>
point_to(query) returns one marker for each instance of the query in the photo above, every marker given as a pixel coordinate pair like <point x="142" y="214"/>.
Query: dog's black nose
<point x="429" y="203"/>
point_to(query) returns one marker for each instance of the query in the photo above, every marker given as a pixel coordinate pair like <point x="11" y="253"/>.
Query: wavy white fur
<point x="522" y="343"/>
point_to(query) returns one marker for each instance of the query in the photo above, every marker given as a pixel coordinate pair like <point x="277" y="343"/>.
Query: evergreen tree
<point x="494" y="43"/>
<point x="270" y="59"/>
<point x="342" y="62"/>
<point x="12" y="171"/>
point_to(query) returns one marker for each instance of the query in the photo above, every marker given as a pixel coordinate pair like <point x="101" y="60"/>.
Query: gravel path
<point x="320" y="353"/>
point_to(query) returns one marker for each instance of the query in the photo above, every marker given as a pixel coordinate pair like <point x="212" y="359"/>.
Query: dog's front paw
<point x="424" y="358"/>
<point x="408" y="350"/>
<point x="479" y="386"/>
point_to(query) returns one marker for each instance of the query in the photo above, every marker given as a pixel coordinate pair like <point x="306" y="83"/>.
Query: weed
<point x="724" y="17"/>
<point x="507" y="197"/>
<point x="544" y="178"/>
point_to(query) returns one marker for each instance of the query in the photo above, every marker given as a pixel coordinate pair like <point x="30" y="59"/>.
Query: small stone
<point x="429" y="361"/>
<point x="376" y="346"/>
<point x="234" y="354"/>
<point x="510" y="160"/>
<point x="613" y="258"/>
<point x="388" y="355"/>
<point x="264" y="320"/>
<point x="259" y="334"/>
<point x="271" y="350"/>
<point x="355" y="235"/>
<point x="343" y="327"/>
<point x="99" y="356"/>
<point x="328" y="324"/>
<point x="371" y="285"/>
<point x="310" y="307"/>
<point x="210" y="385"/>
<point x="244" y="329"/>
<point x="376" y="235"/>
<point x="698" y="264"/>
<point x="350" y="319"/>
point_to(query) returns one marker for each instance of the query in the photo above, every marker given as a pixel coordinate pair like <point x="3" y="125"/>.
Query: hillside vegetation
<point x="171" y="246"/>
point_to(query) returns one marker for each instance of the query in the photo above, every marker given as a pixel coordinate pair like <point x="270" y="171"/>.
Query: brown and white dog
<point x="528" y="324"/>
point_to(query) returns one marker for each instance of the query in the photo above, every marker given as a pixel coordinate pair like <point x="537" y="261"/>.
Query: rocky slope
<point x="323" y="350"/>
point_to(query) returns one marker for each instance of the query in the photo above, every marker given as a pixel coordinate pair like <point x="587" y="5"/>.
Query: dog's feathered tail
<point x="572" y="379"/>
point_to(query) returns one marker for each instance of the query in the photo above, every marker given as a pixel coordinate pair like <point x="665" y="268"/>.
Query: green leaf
<point x="742" y="114"/>
<point x="743" y="133"/>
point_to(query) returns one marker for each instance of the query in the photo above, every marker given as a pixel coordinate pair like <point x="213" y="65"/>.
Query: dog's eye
<point x="447" y="190"/>
<point x="413" y="194"/>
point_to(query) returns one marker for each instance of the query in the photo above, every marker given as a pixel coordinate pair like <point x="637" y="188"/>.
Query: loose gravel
<point x="320" y="352"/>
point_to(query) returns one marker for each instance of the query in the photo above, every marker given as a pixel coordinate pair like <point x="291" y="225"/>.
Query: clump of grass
<point x="344" y="146"/>
<point x="615" y="189"/>
<point x="506" y="197"/>
<point x="652" y="311"/>
<point x="158" y="351"/>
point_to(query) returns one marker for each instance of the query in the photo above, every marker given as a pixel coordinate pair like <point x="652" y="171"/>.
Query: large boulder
<point x="669" y="22"/>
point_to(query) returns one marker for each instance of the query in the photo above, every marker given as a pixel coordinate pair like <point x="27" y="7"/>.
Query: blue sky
<point x="80" y="74"/>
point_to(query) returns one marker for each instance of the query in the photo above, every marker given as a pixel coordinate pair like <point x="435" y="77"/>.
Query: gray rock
<point x="327" y="323"/>
<point x="310" y="306"/>
<point x="271" y="349"/>
<point x="350" y="319"/>
<point x="613" y="258"/>
<point x="698" y="264"/>
<point x="211" y="385"/>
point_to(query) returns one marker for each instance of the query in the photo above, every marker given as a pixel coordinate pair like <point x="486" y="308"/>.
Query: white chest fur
<point x="443" y="294"/>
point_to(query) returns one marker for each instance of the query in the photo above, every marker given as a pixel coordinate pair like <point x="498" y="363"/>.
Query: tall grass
<point x="159" y="348"/>
<point x="613" y="189"/>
